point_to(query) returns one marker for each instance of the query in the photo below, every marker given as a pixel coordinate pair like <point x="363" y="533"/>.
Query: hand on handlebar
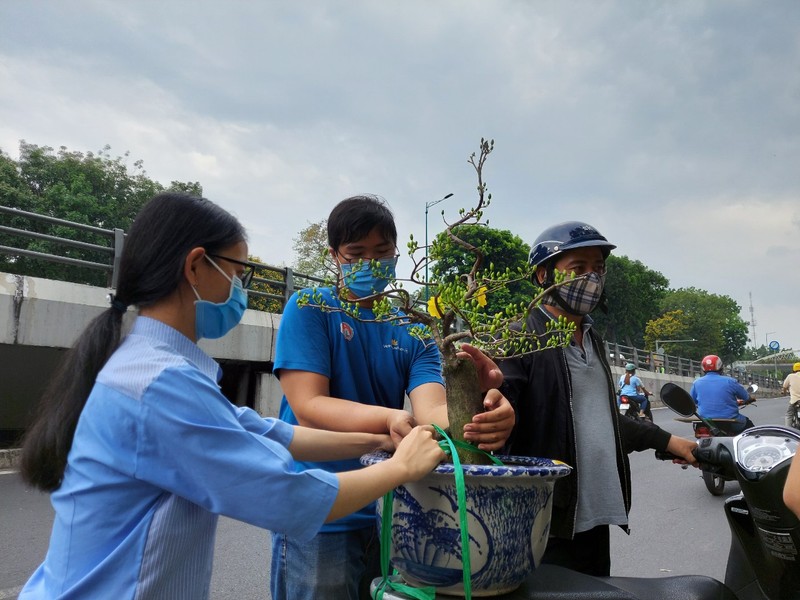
<point x="683" y="449"/>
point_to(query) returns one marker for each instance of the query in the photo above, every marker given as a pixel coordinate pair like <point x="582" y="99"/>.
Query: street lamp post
<point x="427" y="206"/>
<point x="766" y="338"/>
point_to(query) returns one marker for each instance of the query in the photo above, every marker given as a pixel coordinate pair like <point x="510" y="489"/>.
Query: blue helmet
<point x="566" y="236"/>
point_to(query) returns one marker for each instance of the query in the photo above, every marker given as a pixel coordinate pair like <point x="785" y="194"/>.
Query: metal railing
<point x="646" y="360"/>
<point x="289" y="281"/>
<point x="114" y="250"/>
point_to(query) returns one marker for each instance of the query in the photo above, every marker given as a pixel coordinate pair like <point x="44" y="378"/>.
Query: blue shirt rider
<point x="719" y="396"/>
<point x="632" y="387"/>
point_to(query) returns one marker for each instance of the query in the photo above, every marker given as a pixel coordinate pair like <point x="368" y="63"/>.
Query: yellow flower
<point x="480" y="295"/>
<point x="434" y="308"/>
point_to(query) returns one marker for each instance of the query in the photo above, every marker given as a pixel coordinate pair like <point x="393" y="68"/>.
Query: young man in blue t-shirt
<point x="353" y="374"/>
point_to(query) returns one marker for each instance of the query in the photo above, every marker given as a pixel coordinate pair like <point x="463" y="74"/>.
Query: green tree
<point x="311" y="251"/>
<point x="87" y="188"/>
<point x="633" y="295"/>
<point x="711" y="319"/>
<point x="265" y="303"/>
<point x="672" y="325"/>
<point x="503" y="252"/>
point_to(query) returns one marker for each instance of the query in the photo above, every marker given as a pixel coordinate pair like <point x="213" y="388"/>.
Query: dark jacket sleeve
<point x="639" y="435"/>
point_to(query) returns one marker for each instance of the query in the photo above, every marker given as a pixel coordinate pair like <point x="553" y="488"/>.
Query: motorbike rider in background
<point x="719" y="396"/>
<point x="632" y="387"/>
<point x="791" y="385"/>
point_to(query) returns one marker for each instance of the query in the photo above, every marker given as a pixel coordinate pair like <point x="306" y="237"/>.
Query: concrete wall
<point x="40" y="319"/>
<point x="45" y="313"/>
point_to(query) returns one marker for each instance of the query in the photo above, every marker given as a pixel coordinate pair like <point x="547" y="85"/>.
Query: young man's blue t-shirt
<point x="374" y="363"/>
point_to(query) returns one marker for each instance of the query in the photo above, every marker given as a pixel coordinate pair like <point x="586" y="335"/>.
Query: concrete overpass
<point x="41" y="318"/>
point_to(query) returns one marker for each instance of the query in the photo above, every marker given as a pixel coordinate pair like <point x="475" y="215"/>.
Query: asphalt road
<point x="241" y="555"/>
<point x="677" y="527"/>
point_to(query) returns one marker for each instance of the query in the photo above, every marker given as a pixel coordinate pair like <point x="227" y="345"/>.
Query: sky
<point x="672" y="127"/>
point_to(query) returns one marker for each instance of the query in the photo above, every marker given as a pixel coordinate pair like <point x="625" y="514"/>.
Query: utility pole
<point x="752" y="320"/>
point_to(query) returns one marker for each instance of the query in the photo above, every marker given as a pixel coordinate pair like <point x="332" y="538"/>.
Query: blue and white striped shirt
<point x="158" y="453"/>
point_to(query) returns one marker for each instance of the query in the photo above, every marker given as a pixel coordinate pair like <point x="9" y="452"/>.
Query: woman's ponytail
<point x="48" y="441"/>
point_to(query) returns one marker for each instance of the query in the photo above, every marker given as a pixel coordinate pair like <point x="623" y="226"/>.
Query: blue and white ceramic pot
<point x="508" y="517"/>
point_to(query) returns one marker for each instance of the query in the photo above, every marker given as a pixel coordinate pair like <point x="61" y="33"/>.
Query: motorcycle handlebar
<point x="664" y="455"/>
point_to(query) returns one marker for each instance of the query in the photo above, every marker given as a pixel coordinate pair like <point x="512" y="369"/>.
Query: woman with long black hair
<point x="140" y="449"/>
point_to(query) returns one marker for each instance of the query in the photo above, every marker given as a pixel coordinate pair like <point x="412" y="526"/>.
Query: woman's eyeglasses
<point x="249" y="269"/>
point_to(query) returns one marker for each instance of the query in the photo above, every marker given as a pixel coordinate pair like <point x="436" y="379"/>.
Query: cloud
<point x="672" y="127"/>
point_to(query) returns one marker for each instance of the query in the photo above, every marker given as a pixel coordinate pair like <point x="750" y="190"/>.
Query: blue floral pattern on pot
<point x="508" y="518"/>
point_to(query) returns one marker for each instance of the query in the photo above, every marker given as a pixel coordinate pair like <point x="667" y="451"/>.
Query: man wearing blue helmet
<point x="566" y="407"/>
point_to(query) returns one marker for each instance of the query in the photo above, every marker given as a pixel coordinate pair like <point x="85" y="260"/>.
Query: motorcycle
<point x="706" y="428"/>
<point x="764" y="556"/>
<point x="795" y="420"/>
<point x="629" y="407"/>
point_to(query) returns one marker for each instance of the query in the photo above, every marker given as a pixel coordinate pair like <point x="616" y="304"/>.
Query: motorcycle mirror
<point x="752" y="388"/>
<point x="678" y="399"/>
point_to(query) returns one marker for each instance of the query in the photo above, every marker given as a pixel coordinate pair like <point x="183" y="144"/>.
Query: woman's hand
<point x="419" y="452"/>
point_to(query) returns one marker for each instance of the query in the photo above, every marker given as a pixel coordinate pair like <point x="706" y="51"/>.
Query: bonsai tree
<point x="453" y="312"/>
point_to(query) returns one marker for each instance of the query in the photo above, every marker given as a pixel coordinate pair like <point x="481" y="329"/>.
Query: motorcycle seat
<point x="696" y="420"/>
<point x="551" y="582"/>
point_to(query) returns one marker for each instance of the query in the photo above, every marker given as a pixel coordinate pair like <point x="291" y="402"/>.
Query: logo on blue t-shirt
<point x="347" y="331"/>
<point x="395" y="345"/>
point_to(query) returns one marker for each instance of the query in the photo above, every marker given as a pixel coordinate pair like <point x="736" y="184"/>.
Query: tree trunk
<point x="464" y="399"/>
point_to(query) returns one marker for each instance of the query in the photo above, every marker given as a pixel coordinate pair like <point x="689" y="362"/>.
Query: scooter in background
<point x="629" y="407"/>
<point x="764" y="557"/>
<point x="706" y="428"/>
<point x="795" y="420"/>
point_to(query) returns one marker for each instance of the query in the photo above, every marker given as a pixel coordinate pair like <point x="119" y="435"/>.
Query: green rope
<point x="429" y="593"/>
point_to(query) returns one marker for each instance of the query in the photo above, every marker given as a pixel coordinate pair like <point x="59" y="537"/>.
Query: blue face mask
<point x="213" y="320"/>
<point x="365" y="278"/>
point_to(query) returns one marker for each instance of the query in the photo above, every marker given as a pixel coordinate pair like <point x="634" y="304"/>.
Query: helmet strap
<point x="603" y="304"/>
